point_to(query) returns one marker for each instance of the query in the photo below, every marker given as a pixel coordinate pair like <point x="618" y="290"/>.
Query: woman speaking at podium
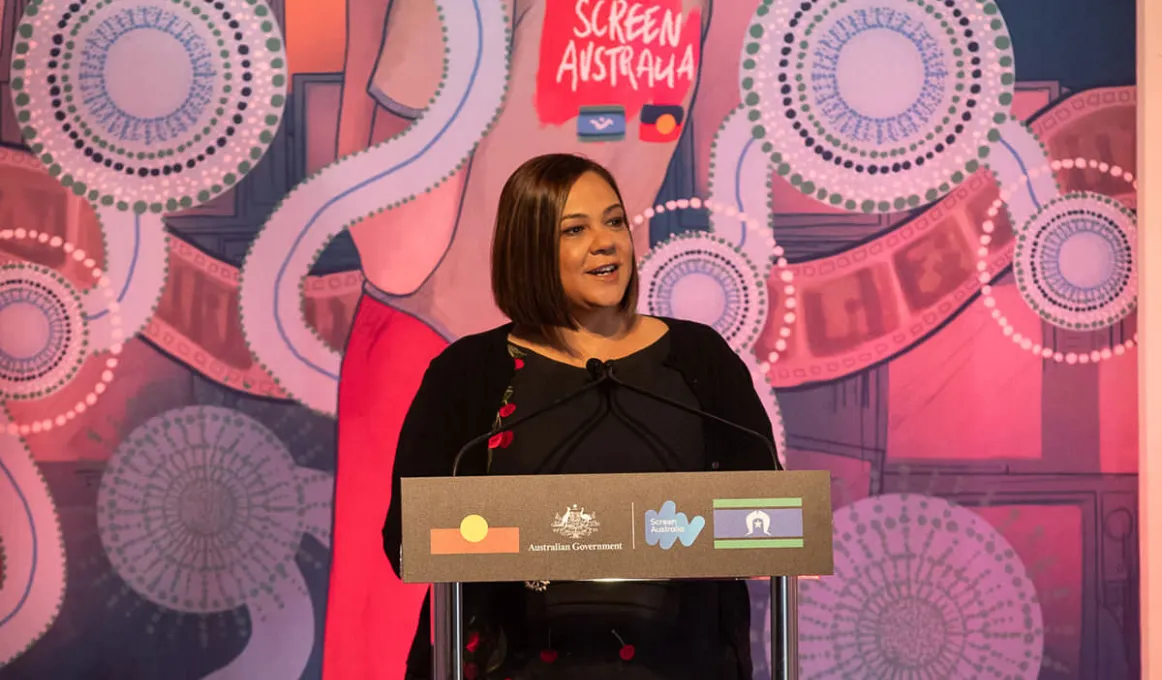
<point x="564" y="272"/>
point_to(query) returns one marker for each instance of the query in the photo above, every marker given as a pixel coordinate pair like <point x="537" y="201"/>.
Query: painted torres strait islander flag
<point x="475" y="537"/>
<point x="741" y="523"/>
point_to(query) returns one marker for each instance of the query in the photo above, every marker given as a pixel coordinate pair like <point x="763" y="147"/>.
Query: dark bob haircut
<point x="526" y="270"/>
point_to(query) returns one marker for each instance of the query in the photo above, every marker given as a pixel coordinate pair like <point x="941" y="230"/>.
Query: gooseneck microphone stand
<point x="784" y="589"/>
<point x="448" y="598"/>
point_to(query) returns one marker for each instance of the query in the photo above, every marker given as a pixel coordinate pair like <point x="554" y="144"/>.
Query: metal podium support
<point x="784" y="628"/>
<point x="448" y="621"/>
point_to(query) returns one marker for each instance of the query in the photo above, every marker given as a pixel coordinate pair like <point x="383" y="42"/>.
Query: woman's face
<point x="596" y="249"/>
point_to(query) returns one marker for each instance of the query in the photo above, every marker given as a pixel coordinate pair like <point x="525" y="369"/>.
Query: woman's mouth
<point x="604" y="271"/>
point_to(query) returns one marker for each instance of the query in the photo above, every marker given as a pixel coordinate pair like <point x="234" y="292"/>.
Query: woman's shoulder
<point x="694" y="336"/>
<point x="700" y="350"/>
<point x="690" y="339"/>
<point x="474" y="349"/>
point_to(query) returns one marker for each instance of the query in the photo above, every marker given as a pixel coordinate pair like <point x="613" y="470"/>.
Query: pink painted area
<point x="401" y="247"/>
<point x="322" y="105"/>
<point x="718" y="91"/>
<point x="371" y="614"/>
<point x="598" y="52"/>
<point x="410" y="63"/>
<point x="967" y="393"/>
<point x="143" y="386"/>
<point x="850" y="477"/>
<point x="1028" y="102"/>
<point x="1118" y="409"/>
<point x="1048" y="540"/>
<point x="790" y="201"/>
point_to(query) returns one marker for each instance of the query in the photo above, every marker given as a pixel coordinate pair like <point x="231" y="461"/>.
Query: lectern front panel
<point x="617" y="526"/>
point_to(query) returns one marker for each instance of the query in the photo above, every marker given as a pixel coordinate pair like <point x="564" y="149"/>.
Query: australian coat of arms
<point x="575" y="523"/>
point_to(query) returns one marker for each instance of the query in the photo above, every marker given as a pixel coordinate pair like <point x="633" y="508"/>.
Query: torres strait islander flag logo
<point x="475" y="537"/>
<point x="741" y="523"/>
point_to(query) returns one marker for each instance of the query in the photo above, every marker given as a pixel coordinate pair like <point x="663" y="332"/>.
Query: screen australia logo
<point x="575" y="524"/>
<point x="668" y="526"/>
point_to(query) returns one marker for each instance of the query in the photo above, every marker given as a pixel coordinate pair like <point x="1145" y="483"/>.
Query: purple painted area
<point x="733" y="523"/>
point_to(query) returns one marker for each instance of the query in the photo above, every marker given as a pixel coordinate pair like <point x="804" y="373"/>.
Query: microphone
<point x="598" y="374"/>
<point x="608" y="375"/>
<point x="596" y="368"/>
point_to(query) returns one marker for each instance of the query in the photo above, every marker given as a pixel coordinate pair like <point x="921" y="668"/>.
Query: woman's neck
<point x="606" y="323"/>
<point x="598" y="334"/>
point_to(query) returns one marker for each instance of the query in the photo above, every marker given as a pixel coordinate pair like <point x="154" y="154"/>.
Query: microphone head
<point x="595" y="367"/>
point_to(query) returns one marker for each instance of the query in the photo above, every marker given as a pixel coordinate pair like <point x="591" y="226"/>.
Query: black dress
<point x="634" y="630"/>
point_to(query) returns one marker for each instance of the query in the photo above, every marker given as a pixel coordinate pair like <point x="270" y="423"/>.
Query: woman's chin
<point x="603" y="305"/>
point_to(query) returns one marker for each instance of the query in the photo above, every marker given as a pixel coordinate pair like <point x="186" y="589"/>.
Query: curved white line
<point x="282" y="633"/>
<point x="137" y="264"/>
<point x="386" y="175"/>
<point x="33" y="585"/>
<point x="739" y="177"/>
<point x="1016" y="153"/>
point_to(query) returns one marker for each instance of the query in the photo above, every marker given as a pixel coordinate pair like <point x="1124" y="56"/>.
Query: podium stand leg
<point x="448" y="622"/>
<point x="784" y="628"/>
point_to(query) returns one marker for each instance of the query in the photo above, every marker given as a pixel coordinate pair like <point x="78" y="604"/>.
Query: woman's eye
<point x="574" y="229"/>
<point x="617" y="222"/>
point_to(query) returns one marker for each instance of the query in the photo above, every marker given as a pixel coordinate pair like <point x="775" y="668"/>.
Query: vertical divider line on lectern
<point x="633" y="525"/>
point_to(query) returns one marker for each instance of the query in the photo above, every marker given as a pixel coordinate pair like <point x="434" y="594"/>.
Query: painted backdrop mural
<point x="234" y="232"/>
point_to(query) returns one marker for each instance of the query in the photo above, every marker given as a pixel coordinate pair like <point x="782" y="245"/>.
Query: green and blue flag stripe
<point x="749" y="523"/>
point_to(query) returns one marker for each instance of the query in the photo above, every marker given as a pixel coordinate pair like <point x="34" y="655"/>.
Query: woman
<point x="563" y="269"/>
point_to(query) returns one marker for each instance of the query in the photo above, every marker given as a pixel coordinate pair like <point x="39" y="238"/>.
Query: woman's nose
<point x="603" y="241"/>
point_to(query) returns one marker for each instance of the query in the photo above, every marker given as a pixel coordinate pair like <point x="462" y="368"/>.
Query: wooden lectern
<point x="712" y="525"/>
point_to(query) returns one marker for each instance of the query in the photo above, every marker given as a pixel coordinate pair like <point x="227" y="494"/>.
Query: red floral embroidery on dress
<point x="484" y="650"/>
<point x="500" y="440"/>
<point x="627" y="650"/>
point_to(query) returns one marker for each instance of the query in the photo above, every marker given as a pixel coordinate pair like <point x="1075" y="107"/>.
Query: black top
<point x="601" y="431"/>
<point x="458" y="400"/>
<point x="673" y="627"/>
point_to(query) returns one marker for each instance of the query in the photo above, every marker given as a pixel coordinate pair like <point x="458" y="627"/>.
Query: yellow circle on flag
<point x="666" y="123"/>
<point x="473" y="528"/>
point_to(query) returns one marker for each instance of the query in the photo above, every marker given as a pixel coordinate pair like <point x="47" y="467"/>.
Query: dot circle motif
<point x="922" y="589"/>
<point x="57" y="309"/>
<point x="153" y="105"/>
<point x="1076" y="263"/>
<point x="1127" y="301"/>
<point x="42" y="331"/>
<point x="200" y="509"/>
<point x="877" y="105"/>
<point x="703" y="277"/>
